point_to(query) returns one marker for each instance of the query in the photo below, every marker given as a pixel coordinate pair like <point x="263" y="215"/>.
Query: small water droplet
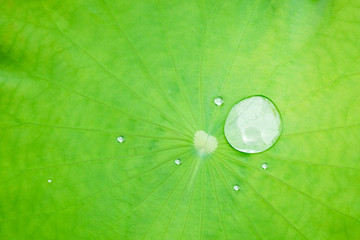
<point x="120" y="139"/>
<point x="219" y="101"/>
<point x="253" y="125"/>
<point x="236" y="188"/>
<point x="49" y="181"/>
<point x="178" y="161"/>
<point x="264" y="166"/>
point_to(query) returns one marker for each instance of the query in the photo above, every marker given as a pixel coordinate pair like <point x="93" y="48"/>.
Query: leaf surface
<point x="75" y="75"/>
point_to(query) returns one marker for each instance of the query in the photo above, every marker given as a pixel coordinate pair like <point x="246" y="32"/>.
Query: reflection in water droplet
<point x="178" y="161"/>
<point x="120" y="139"/>
<point x="218" y="101"/>
<point x="236" y="187"/>
<point x="264" y="166"/>
<point x="253" y="125"/>
<point x="49" y="181"/>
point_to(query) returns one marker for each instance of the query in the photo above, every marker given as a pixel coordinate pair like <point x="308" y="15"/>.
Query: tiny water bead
<point x="120" y="139"/>
<point x="204" y="143"/>
<point x="253" y="125"/>
<point x="218" y="101"/>
<point x="264" y="166"/>
<point x="236" y="188"/>
<point x="49" y="180"/>
<point x="178" y="161"/>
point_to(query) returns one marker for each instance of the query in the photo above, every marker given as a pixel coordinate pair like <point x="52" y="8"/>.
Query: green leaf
<point x="75" y="75"/>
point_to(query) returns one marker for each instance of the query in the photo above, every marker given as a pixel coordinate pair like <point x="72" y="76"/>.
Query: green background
<point x="74" y="75"/>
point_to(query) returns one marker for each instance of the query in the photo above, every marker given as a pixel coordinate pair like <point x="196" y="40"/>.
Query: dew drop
<point x="264" y="166"/>
<point x="236" y="188"/>
<point x="253" y="125"/>
<point x="178" y="161"/>
<point x="218" y="101"/>
<point x="49" y="181"/>
<point x="120" y="139"/>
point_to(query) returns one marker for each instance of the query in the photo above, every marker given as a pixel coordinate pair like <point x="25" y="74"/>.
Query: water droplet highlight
<point x="264" y="166"/>
<point x="120" y="139"/>
<point x="49" y="181"/>
<point x="218" y="101"/>
<point x="236" y="188"/>
<point x="253" y="125"/>
<point x="178" y="161"/>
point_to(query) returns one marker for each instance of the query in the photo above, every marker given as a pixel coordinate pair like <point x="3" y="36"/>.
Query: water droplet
<point x="219" y="101"/>
<point x="253" y="125"/>
<point x="236" y="188"/>
<point x="178" y="161"/>
<point x="264" y="166"/>
<point x="120" y="139"/>
<point x="49" y="181"/>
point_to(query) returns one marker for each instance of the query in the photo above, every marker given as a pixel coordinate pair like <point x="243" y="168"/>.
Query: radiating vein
<point x="234" y="57"/>
<point x="264" y="199"/>
<point x="218" y="203"/>
<point x="193" y="186"/>
<point x="146" y="198"/>
<point x="327" y="85"/>
<point x="226" y="185"/>
<point x="291" y="187"/>
<point x="112" y="74"/>
<point x="97" y="193"/>
<point x="297" y="161"/>
<point x="177" y="202"/>
<point x="167" y="199"/>
<point x="319" y="131"/>
<point x="117" y="157"/>
<point x="73" y="91"/>
<point x="202" y="201"/>
<point x="171" y="57"/>
<point x="104" y="131"/>
<point x="145" y="69"/>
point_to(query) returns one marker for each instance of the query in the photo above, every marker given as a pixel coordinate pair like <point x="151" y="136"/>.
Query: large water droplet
<point x="253" y="125"/>
<point x="177" y="161"/>
<point x="236" y="188"/>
